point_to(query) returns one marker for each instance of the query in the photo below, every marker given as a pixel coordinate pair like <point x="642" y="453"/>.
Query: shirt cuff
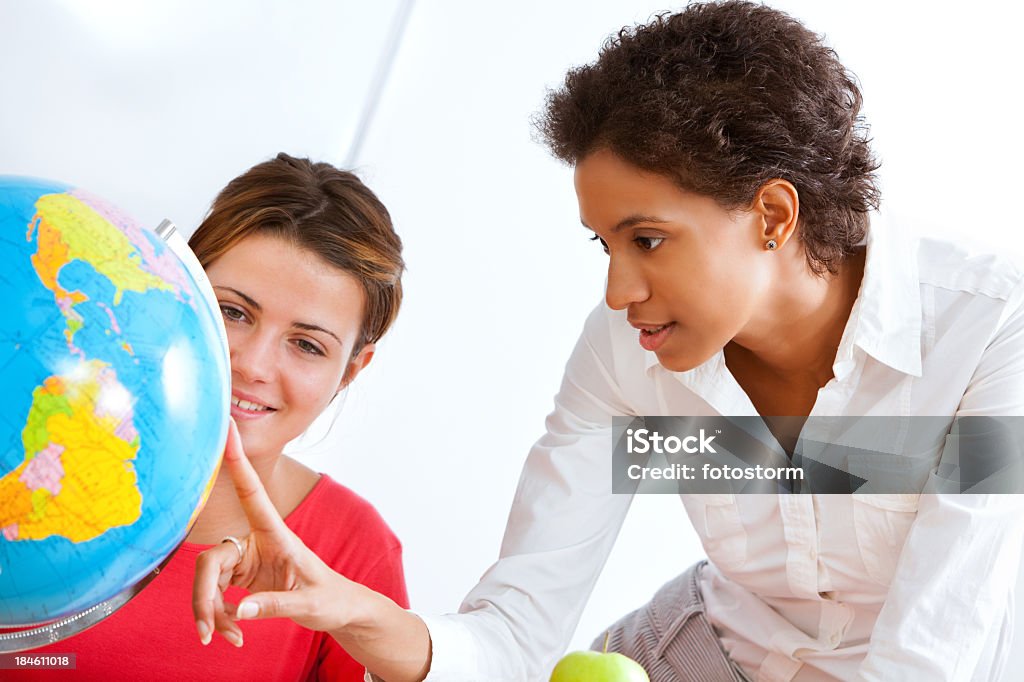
<point x="452" y="651"/>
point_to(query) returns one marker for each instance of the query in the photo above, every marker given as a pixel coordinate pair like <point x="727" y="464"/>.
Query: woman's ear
<point x="356" y="364"/>
<point x="779" y="205"/>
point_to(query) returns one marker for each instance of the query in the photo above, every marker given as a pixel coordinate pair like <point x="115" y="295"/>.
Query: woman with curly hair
<point x="721" y="162"/>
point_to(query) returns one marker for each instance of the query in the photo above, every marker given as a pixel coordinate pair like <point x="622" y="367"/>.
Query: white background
<point x="157" y="105"/>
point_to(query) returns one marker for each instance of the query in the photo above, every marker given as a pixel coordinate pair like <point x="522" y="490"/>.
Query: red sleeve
<point x="388" y="578"/>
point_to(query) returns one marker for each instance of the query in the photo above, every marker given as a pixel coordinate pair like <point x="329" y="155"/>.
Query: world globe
<point x="113" y="414"/>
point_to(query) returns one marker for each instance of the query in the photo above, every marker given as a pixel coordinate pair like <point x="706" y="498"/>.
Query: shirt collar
<point x="885" y="321"/>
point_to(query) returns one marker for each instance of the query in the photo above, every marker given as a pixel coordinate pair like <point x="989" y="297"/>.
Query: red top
<point x="153" y="637"/>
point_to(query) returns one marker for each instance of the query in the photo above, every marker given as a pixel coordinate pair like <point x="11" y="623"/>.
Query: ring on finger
<point x="237" y="543"/>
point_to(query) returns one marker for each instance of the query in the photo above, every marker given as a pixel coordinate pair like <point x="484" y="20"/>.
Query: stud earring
<point x="771" y="245"/>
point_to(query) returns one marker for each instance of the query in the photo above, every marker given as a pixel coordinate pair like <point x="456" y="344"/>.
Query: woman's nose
<point x="253" y="357"/>
<point x="626" y="285"/>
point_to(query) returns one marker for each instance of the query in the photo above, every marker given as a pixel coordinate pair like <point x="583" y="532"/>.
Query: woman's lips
<point x="247" y="409"/>
<point x="653" y="340"/>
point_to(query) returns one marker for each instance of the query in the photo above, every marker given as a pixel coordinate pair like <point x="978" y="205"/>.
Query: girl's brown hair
<point x="323" y="209"/>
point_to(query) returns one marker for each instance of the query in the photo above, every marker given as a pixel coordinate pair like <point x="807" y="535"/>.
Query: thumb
<point x="272" y="605"/>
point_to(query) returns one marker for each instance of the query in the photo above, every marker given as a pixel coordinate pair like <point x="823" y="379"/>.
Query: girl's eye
<point x="307" y="347"/>
<point x="604" y="246"/>
<point x="648" y="243"/>
<point x="231" y="313"/>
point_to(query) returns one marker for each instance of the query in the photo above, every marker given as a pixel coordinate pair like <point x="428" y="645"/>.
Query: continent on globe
<point x="78" y="479"/>
<point x="66" y="228"/>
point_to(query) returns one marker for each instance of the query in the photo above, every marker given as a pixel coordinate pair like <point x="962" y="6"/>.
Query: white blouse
<point x="800" y="587"/>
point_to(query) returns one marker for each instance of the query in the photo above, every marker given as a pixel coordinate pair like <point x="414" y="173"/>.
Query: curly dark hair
<point x="721" y="98"/>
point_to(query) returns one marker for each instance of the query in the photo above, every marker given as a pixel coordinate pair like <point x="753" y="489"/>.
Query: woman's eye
<point x="648" y="243"/>
<point x="231" y="313"/>
<point x="307" y="347"/>
<point x="604" y="246"/>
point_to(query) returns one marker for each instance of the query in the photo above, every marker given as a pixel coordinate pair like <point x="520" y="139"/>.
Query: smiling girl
<point x="306" y="268"/>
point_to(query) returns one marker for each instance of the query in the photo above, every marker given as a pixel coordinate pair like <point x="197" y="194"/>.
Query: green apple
<point x="594" y="666"/>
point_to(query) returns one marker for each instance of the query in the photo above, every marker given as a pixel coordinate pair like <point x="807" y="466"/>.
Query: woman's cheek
<point x="314" y="389"/>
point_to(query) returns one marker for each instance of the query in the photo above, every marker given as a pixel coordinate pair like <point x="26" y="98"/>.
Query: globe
<point x="116" y="389"/>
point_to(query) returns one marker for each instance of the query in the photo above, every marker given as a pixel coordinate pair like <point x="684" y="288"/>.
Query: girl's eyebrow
<point x="316" y="328"/>
<point x="244" y="297"/>
<point x="300" y="325"/>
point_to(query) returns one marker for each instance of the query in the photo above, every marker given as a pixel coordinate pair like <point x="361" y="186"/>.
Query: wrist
<point x="370" y="617"/>
<point x="384" y="637"/>
<point x="365" y="610"/>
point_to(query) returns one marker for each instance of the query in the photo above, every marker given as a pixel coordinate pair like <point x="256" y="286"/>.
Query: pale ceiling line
<point x="380" y="78"/>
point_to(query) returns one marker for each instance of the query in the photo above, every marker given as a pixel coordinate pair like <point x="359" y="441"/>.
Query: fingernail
<point x="233" y="637"/>
<point x="247" y="609"/>
<point x="204" y="632"/>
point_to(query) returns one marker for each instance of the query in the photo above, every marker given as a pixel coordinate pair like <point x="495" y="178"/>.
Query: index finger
<point x="255" y="501"/>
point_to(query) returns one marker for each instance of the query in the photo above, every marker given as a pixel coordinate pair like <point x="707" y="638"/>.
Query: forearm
<point x="389" y="641"/>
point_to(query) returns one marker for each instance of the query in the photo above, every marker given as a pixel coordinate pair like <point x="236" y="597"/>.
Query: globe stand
<point x="23" y="640"/>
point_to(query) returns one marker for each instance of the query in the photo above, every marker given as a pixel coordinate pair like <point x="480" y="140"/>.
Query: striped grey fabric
<point x="672" y="638"/>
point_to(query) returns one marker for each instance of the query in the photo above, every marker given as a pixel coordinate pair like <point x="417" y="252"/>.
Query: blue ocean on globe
<point x="116" y="393"/>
